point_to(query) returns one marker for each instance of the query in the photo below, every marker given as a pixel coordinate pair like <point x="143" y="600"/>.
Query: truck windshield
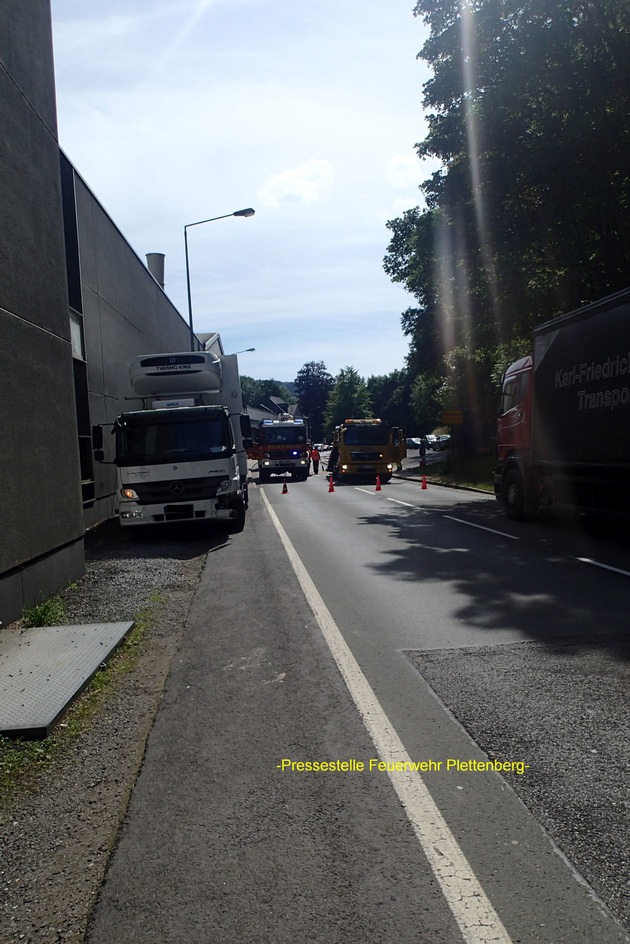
<point x="513" y="393"/>
<point x="286" y="435"/>
<point x="149" y="440"/>
<point x="366" y="436"/>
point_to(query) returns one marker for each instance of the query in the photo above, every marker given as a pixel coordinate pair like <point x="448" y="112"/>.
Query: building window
<point x="82" y="401"/>
<point x="71" y="234"/>
<point x="76" y="335"/>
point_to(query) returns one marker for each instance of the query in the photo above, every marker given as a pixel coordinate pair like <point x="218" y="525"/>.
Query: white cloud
<point x="307" y="183"/>
<point x="404" y="171"/>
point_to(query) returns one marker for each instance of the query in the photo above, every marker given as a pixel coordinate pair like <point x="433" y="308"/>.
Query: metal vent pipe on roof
<point x="155" y="265"/>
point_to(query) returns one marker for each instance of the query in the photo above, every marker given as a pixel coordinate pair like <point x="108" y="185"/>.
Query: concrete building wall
<point x="76" y="304"/>
<point x="41" y="519"/>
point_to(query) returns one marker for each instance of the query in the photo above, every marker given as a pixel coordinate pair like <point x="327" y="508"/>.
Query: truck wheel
<point x="514" y="495"/>
<point x="236" y="525"/>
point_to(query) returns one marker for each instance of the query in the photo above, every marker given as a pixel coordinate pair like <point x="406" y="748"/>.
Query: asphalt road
<point x="463" y="640"/>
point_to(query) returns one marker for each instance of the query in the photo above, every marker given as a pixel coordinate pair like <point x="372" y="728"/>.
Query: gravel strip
<point x="57" y="832"/>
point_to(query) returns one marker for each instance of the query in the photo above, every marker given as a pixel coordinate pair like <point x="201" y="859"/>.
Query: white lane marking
<point x="512" y="537"/>
<point x="475" y="916"/>
<point x="396" y="500"/>
<point x="615" y="570"/>
<point x="470" y="524"/>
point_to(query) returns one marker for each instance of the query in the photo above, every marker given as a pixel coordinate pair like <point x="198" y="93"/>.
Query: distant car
<point x="442" y="442"/>
<point x="414" y="443"/>
<point x="430" y="440"/>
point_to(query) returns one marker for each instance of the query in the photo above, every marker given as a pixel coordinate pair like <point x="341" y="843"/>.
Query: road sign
<point x="452" y="417"/>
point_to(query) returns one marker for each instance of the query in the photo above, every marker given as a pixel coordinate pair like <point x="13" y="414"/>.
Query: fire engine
<point x="280" y="446"/>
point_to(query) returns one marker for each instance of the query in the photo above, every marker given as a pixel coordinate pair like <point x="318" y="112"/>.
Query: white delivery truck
<point x="182" y="456"/>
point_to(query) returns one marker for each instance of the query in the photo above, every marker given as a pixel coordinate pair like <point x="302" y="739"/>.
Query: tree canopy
<point x="396" y="398"/>
<point x="254" y="390"/>
<point x="348" y="398"/>
<point x="313" y="385"/>
<point x="391" y="399"/>
<point x="529" y="214"/>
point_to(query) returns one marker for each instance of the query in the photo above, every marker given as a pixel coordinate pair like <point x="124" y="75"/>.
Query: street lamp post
<point x="246" y="212"/>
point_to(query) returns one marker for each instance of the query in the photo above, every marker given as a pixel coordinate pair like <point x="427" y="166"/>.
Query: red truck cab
<point x="514" y="436"/>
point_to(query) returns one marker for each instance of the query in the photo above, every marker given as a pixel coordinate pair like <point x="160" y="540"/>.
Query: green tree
<point x="530" y="116"/>
<point x="248" y="388"/>
<point x="425" y="403"/>
<point x="313" y="385"/>
<point x="391" y="398"/>
<point x="348" y="398"/>
<point x="254" y="390"/>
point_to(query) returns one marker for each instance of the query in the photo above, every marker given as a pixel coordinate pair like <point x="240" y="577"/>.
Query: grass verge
<point x="47" y="613"/>
<point x="471" y="473"/>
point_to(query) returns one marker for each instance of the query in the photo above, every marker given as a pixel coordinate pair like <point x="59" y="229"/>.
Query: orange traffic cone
<point x="378" y="484"/>
<point x="284" y="487"/>
<point x="331" y="486"/>
<point x="424" y="481"/>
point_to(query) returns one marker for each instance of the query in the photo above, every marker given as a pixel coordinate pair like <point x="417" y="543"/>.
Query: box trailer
<point x="563" y="432"/>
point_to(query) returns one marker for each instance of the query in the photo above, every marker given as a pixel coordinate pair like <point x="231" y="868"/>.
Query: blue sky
<point x="181" y="110"/>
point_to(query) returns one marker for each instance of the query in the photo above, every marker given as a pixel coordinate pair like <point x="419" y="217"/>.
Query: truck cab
<point x="281" y="448"/>
<point x="513" y="444"/>
<point x="366" y="448"/>
<point x="514" y="422"/>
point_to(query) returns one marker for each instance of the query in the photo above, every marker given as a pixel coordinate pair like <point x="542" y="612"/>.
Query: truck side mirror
<point x="99" y="455"/>
<point x="97" y="438"/>
<point x="247" y="442"/>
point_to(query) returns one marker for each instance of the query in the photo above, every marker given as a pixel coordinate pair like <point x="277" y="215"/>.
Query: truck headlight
<point x="129" y="493"/>
<point x="223" y="486"/>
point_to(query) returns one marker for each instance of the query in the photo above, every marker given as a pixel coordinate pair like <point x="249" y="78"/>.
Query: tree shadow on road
<point x="501" y="579"/>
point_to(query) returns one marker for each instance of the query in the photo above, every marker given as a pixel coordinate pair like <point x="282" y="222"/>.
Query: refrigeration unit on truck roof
<point x="172" y="375"/>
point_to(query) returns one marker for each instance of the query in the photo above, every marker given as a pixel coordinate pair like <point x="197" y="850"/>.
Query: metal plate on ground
<point x="44" y="668"/>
